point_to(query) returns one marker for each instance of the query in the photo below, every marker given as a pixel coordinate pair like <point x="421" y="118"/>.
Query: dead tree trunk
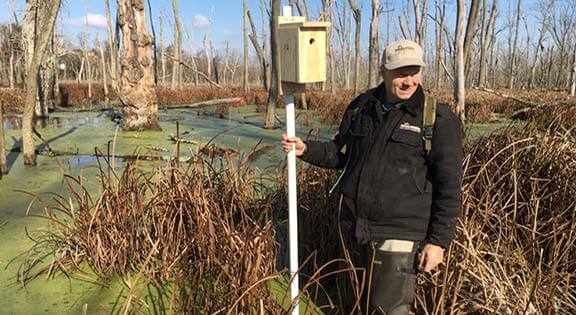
<point x="46" y="85"/>
<point x="538" y="48"/>
<point x="88" y="65"/>
<point x="514" y="45"/>
<point x="420" y="11"/>
<point x="208" y="55"/>
<point x="439" y="30"/>
<point x="470" y="31"/>
<point x="358" y="19"/>
<point x="137" y="94"/>
<point x="373" y="50"/>
<point x="104" y="76"/>
<point x="259" y="51"/>
<point x="245" y="44"/>
<point x="113" y="49"/>
<point x="11" y="61"/>
<point x="177" y="47"/>
<point x="328" y="9"/>
<point x="265" y="40"/>
<point x="162" y="50"/>
<point x="485" y="36"/>
<point x="459" y="87"/>
<point x="274" y="91"/>
<point x="155" y="49"/>
<point x="573" y="73"/>
<point x="3" y="163"/>
<point x="43" y="29"/>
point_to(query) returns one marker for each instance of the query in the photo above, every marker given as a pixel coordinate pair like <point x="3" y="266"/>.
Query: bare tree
<point x="177" y="47"/>
<point x="260" y="52"/>
<point x="84" y="43"/>
<point x="274" y="91"/>
<point x="103" y="64"/>
<point x="3" y="163"/>
<point x="113" y="46"/>
<point x="155" y="49"/>
<point x="137" y="94"/>
<point x="11" y="26"/>
<point x="328" y="15"/>
<point x="514" y="45"/>
<point x="245" y="44"/>
<point x="470" y="31"/>
<point x="373" y="50"/>
<point x="573" y="73"/>
<point x="47" y="83"/>
<point x="485" y="35"/>
<point x="420" y="11"/>
<point x="544" y="25"/>
<point x="193" y="59"/>
<point x="343" y="28"/>
<point x="264" y="25"/>
<point x="162" y="48"/>
<point x="44" y="26"/>
<point x="440" y="15"/>
<point x="208" y="55"/>
<point x="459" y="84"/>
<point x="358" y="19"/>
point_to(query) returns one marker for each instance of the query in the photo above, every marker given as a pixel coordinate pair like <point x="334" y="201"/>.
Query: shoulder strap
<point x="428" y="120"/>
<point x="362" y="102"/>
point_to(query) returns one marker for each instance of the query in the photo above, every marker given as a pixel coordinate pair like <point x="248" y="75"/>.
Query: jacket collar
<point x="412" y="106"/>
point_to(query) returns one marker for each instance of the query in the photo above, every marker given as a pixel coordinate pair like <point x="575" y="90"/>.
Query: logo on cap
<point x="402" y="48"/>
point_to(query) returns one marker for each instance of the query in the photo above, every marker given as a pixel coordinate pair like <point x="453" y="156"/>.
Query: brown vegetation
<point x="561" y="117"/>
<point x="204" y="231"/>
<point x="514" y="249"/>
<point x="210" y="227"/>
<point x="12" y="100"/>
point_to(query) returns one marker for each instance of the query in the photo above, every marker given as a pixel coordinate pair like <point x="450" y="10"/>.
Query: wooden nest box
<point x="302" y="50"/>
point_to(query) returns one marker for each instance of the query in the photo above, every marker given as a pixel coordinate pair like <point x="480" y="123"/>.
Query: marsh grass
<point x="199" y="225"/>
<point x="515" y="246"/>
<point x="207" y="235"/>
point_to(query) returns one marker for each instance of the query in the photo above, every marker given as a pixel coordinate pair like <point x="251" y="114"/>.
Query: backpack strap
<point x="428" y="120"/>
<point x="362" y="102"/>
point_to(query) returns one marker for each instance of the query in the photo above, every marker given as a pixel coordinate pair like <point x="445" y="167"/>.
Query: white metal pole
<point x="292" y="202"/>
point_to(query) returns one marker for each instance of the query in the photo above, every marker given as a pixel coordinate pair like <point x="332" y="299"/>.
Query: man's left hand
<point x="430" y="257"/>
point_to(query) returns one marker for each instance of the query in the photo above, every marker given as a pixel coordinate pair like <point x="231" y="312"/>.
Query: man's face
<point x="401" y="83"/>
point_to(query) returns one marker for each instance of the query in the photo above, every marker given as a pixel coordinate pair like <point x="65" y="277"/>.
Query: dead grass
<point x="12" y="100"/>
<point x="515" y="246"/>
<point x="561" y="117"/>
<point x="199" y="226"/>
<point x="212" y="229"/>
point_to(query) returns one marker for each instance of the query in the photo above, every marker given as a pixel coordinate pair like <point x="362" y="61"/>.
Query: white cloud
<point x="92" y="20"/>
<point x="200" y="21"/>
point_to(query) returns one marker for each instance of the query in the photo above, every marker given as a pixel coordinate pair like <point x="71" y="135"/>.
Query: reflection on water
<point x="88" y="160"/>
<point x="15" y="122"/>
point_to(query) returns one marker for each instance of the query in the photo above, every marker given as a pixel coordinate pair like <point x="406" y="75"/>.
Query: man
<point x="400" y="200"/>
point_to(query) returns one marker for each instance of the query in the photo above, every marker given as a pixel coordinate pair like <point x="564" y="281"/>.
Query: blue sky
<point x="226" y="17"/>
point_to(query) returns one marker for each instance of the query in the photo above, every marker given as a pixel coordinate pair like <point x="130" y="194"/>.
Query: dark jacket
<point x="398" y="191"/>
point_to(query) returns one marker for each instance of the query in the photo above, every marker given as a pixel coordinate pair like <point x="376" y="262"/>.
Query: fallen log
<point x="519" y="113"/>
<point x="217" y="102"/>
<point x="176" y="139"/>
<point x="512" y="97"/>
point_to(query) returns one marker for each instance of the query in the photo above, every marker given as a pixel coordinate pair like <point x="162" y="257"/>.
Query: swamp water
<point x="81" y="133"/>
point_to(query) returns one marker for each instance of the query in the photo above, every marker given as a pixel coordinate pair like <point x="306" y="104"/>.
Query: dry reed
<point x="211" y="229"/>
<point x="515" y="247"/>
<point x="201" y="227"/>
